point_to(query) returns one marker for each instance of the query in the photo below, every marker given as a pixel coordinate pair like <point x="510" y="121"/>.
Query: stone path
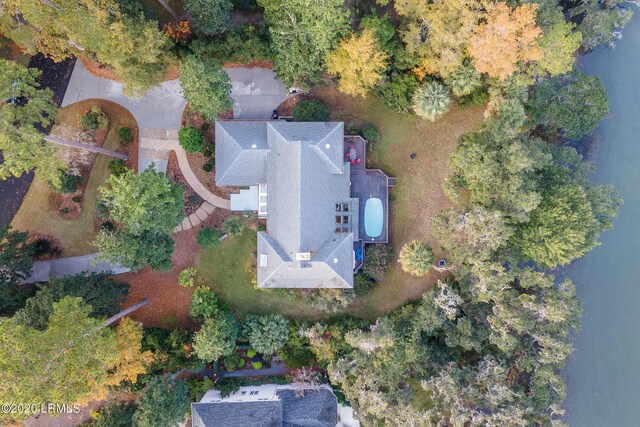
<point x="155" y="143"/>
<point x="43" y="270"/>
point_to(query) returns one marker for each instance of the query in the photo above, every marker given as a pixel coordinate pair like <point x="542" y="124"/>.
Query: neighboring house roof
<point x="246" y="414"/>
<point x="317" y="408"/>
<point x="241" y="153"/>
<point x="306" y="175"/>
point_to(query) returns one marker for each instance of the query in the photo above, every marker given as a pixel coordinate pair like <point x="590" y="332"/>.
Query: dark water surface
<point x="603" y="375"/>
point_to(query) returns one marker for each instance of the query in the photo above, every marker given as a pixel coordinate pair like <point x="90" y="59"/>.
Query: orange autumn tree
<point x="507" y="38"/>
<point x="178" y="31"/>
<point x="359" y="63"/>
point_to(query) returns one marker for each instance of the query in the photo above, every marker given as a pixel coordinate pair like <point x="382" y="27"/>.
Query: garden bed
<point x="198" y="160"/>
<point x="192" y="200"/>
<point x="285" y="109"/>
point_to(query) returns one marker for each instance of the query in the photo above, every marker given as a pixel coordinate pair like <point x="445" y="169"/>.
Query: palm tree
<point x="464" y="80"/>
<point x="431" y="100"/>
<point x="416" y="258"/>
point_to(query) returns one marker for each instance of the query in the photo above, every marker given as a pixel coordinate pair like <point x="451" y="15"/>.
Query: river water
<point x="603" y="375"/>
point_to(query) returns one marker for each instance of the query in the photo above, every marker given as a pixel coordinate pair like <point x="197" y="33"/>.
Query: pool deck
<point x="365" y="184"/>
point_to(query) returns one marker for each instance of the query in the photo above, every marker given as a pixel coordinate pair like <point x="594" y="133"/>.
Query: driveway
<point x="160" y="107"/>
<point x="256" y="92"/>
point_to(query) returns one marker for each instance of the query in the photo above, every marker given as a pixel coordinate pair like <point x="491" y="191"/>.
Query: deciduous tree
<point x="206" y="86"/>
<point x="25" y="111"/>
<point x="164" y="402"/>
<point x="15" y="265"/>
<point x="508" y="37"/>
<point x="216" y="338"/>
<point x="211" y="16"/>
<point x="359" y="63"/>
<point x="302" y="33"/>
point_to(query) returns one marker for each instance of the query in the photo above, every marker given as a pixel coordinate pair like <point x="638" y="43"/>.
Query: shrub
<point x="362" y="284"/>
<point x="207" y="167"/>
<point x="416" y="258"/>
<point x="45" y="248"/>
<point x="257" y="365"/>
<point x="376" y="261"/>
<point x="68" y="182"/>
<point x="310" y="111"/>
<point x="232" y="362"/>
<point x="431" y="100"/>
<point x="397" y="93"/>
<point x="116" y="414"/>
<point x="94" y="119"/>
<point x="207" y="152"/>
<point x="266" y="333"/>
<point x="191" y="139"/>
<point x="204" y="303"/>
<point x="76" y="199"/>
<point x="233" y="225"/>
<point x="205" y="127"/>
<point x="65" y="211"/>
<point x="126" y="136"/>
<point x="117" y="167"/>
<point x="475" y="99"/>
<point x="186" y="278"/>
<point x="209" y="237"/>
<point x="251" y="353"/>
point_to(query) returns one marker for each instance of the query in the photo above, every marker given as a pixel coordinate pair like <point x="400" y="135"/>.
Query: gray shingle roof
<point x="316" y="409"/>
<point x="241" y="153"/>
<point x="232" y="414"/>
<point x="306" y="177"/>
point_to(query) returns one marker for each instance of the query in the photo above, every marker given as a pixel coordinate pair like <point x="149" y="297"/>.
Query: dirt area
<point x="198" y="160"/>
<point x="106" y="72"/>
<point x="286" y="108"/>
<point x="169" y="306"/>
<point x="191" y="199"/>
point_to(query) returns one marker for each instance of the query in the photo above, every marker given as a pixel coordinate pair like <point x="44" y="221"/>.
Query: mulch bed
<point x="286" y="108"/>
<point x="198" y="160"/>
<point x="192" y="200"/>
<point x="106" y="72"/>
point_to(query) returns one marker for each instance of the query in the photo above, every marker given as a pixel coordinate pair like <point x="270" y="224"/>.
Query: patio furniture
<point x="353" y="154"/>
<point x="353" y="162"/>
<point x="358" y="160"/>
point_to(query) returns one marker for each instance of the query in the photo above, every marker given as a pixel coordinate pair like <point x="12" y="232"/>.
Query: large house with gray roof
<point x="299" y="177"/>
<point x="267" y="405"/>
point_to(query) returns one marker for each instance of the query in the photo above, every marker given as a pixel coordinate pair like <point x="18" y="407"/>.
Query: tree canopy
<point x="28" y="110"/>
<point x="507" y="38"/>
<point x="15" y="265"/>
<point x="211" y="16"/>
<point x="205" y="85"/>
<point x="217" y="337"/>
<point x="302" y="33"/>
<point x="76" y="358"/>
<point x="132" y="46"/>
<point x="266" y="334"/>
<point x="164" y="402"/>
<point x="359" y="63"/>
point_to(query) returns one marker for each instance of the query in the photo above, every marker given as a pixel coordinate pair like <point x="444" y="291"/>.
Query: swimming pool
<point x="373" y="217"/>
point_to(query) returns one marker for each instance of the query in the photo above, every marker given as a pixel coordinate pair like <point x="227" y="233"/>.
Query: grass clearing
<point x="418" y="195"/>
<point x="36" y="215"/>
<point x="229" y="269"/>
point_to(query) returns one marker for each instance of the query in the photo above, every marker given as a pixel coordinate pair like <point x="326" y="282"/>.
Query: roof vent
<point x="335" y="260"/>
<point x="327" y="146"/>
<point x="254" y="146"/>
<point x="263" y="260"/>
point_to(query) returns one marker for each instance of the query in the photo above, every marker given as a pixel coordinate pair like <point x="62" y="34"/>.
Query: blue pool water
<point x="373" y="217"/>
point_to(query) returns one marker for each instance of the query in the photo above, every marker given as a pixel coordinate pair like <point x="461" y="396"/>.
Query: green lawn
<point x="418" y="197"/>
<point x="229" y="270"/>
<point x="36" y="214"/>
